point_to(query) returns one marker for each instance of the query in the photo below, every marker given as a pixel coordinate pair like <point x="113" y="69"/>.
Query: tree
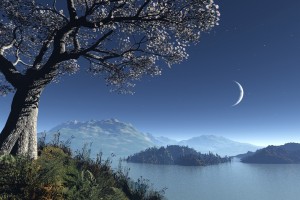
<point x="121" y="39"/>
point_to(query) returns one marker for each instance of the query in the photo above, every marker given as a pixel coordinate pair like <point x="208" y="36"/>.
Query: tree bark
<point x="19" y="135"/>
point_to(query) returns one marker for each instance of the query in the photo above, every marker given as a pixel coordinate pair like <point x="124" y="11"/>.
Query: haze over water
<point x="229" y="181"/>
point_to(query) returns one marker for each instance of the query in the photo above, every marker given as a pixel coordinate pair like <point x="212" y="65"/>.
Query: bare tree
<point x="120" y="39"/>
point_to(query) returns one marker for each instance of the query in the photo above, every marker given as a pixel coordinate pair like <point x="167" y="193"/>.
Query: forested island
<point x="284" y="154"/>
<point x="176" y="155"/>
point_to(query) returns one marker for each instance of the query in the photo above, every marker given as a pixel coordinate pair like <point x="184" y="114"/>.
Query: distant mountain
<point x="218" y="144"/>
<point x="164" y="141"/>
<point x="122" y="139"/>
<point x="284" y="154"/>
<point x="176" y="155"/>
<point x="108" y="136"/>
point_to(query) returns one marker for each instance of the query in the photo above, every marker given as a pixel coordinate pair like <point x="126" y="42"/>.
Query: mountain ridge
<point x="219" y="144"/>
<point x="123" y="139"/>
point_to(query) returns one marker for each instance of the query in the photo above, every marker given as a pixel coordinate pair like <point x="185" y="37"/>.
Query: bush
<point x="56" y="174"/>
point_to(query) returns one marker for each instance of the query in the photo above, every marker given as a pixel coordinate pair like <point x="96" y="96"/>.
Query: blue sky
<point x="257" y="44"/>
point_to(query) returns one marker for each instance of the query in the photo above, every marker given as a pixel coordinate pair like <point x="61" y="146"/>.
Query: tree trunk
<point x="19" y="135"/>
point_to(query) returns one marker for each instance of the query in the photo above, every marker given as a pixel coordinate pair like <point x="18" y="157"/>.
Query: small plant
<point x="56" y="142"/>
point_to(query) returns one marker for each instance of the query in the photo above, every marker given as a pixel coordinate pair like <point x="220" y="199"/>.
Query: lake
<point x="229" y="181"/>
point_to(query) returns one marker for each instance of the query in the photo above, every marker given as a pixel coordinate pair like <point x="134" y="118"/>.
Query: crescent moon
<point x="241" y="94"/>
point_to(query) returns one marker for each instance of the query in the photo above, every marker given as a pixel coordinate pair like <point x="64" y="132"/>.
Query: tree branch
<point x="11" y="44"/>
<point x="11" y="74"/>
<point x="72" y="10"/>
<point x="141" y="8"/>
<point x="43" y="50"/>
<point x="77" y="54"/>
<point x="19" y="60"/>
<point x="49" y="69"/>
<point x="76" y="42"/>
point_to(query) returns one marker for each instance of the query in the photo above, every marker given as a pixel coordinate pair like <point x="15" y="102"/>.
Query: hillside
<point x="284" y="154"/>
<point x="176" y="155"/>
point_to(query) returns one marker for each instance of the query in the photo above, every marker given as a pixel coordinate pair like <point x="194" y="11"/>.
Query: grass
<point x="58" y="174"/>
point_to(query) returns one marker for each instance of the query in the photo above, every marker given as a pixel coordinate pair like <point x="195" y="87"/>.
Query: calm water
<point x="230" y="181"/>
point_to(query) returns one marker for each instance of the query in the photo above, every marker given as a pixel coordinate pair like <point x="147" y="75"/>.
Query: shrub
<point x="58" y="175"/>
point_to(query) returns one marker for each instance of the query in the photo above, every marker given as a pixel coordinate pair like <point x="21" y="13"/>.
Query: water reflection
<point x="228" y="181"/>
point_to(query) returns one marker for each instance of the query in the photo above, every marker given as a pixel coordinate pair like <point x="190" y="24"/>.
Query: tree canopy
<point x="121" y="39"/>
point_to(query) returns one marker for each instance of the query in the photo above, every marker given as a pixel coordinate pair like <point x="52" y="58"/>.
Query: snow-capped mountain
<point x="108" y="136"/>
<point x="219" y="145"/>
<point x="122" y="139"/>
